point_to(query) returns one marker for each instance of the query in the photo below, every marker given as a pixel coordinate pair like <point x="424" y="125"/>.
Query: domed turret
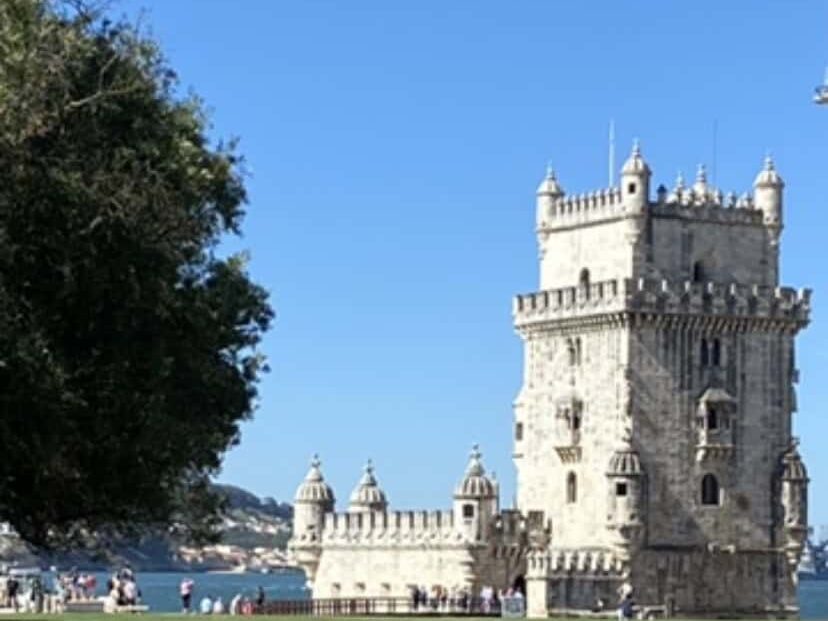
<point x="625" y="510"/>
<point x="313" y="488"/>
<point x="549" y="192"/>
<point x="635" y="181"/>
<point x="314" y="498"/>
<point x="367" y="495"/>
<point x="475" y="499"/>
<point x="475" y="483"/>
<point x="700" y="187"/>
<point x="768" y="195"/>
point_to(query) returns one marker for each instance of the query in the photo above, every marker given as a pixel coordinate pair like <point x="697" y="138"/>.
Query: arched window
<point x="712" y="418"/>
<point x="698" y="272"/>
<point x="576" y="416"/>
<point x="709" y="490"/>
<point x="717" y="352"/>
<point x="570" y="348"/>
<point x="583" y="281"/>
<point x="578" y="351"/>
<point x="705" y="353"/>
<point x="518" y="431"/>
<point x="571" y="488"/>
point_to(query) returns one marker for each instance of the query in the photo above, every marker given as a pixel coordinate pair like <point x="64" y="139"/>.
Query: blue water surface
<point x="159" y="590"/>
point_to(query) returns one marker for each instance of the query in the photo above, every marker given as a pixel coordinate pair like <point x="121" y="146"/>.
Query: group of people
<point x="74" y="586"/>
<point x="22" y="593"/>
<point x="122" y="588"/>
<point x="213" y="604"/>
<point x="442" y="599"/>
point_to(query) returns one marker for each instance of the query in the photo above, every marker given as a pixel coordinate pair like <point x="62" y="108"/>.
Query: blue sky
<point x="394" y="149"/>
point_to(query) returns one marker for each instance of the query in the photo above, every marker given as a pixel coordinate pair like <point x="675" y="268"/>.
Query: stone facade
<point x="652" y="438"/>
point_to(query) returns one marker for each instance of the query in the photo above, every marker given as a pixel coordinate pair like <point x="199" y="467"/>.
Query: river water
<point x="160" y="590"/>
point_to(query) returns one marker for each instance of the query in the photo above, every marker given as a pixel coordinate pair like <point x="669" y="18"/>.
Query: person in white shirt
<point x="235" y="604"/>
<point x="206" y="605"/>
<point x="218" y="606"/>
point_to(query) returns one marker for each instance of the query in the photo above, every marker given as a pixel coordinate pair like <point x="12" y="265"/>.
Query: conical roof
<point x="367" y="494"/>
<point x="768" y="176"/>
<point x="625" y="461"/>
<point x="314" y="488"/>
<point x="550" y="186"/>
<point x="635" y="164"/>
<point x="475" y="483"/>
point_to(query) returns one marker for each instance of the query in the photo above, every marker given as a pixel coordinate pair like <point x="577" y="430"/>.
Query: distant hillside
<point x="255" y="532"/>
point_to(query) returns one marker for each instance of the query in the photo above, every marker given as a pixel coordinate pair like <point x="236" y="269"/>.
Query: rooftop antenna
<point x="612" y="153"/>
<point x="715" y="149"/>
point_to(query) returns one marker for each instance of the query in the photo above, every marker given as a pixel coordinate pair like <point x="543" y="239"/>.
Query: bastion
<point x="652" y="431"/>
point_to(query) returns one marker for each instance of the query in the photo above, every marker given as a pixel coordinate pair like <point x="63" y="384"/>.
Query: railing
<point x="385" y="606"/>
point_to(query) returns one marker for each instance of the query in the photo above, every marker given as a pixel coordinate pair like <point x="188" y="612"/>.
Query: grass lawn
<point x="168" y="616"/>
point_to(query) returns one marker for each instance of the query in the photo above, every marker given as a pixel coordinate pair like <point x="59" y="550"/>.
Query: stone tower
<point x="653" y="425"/>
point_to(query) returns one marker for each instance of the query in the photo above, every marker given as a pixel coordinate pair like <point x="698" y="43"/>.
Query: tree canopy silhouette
<point x="127" y="344"/>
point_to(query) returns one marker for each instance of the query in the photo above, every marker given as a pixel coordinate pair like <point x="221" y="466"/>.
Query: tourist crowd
<point x="240" y="604"/>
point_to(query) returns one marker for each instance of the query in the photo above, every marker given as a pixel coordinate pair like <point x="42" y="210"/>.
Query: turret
<point x="475" y="499"/>
<point x="367" y="495"/>
<point x="549" y="192"/>
<point x="794" y="502"/>
<point x="635" y="181"/>
<point x="701" y="190"/>
<point x="767" y="196"/>
<point x="625" y="508"/>
<point x="314" y="498"/>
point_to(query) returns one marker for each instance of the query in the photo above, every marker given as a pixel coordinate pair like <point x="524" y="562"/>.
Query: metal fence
<point x="385" y="606"/>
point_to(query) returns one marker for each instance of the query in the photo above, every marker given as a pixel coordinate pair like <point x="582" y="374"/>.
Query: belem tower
<point x="652" y="432"/>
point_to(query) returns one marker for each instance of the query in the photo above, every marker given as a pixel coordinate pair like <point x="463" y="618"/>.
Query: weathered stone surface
<point x="652" y="429"/>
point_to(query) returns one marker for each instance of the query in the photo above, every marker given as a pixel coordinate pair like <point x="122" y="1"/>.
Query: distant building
<point x="652" y="433"/>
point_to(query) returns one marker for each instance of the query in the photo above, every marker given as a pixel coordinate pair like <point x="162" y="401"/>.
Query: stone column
<point x="537" y="597"/>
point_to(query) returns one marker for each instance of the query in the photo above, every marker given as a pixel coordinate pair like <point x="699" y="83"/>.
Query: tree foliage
<point x="127" y="345"/>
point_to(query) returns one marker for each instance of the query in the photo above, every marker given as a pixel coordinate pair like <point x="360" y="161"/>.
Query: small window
<point x="578" y="351"/>
<point x="468" y="511"/>
<point x="705" y="353"/>
<point x="571" y="488"/>
<point x="712" y="418"/>
<point x="576" y="416"/>
<point x="620" y="489"/>
<point x="710" y="490"/>
<point x="631" y="188"/>
<point x="698" y="271"/>
<point x="570" y="348"/>
<point x="518" y="431"/>
<point x="583" y="281"/>
<point x="717" y="352"/>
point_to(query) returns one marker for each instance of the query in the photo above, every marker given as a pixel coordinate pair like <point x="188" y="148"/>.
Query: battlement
<point x="666" y="298"/>
<point x="711" y="207"/>
<point x="390" y="526"/>
<point x="607" y="204"/>
<point x="550" y="562"/>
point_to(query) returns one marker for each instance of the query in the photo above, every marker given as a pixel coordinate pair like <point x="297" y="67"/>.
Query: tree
<point x="127" y="344"/>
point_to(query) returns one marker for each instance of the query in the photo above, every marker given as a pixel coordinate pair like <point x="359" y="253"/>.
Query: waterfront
<point x="160" y="589"/>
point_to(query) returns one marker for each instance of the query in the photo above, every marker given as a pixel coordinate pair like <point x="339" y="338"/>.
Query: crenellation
<point x="682" y="297"/>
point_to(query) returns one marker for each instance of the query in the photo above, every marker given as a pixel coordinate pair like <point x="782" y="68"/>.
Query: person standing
<point x="626" y="607"/>
<point x="206" y="606"/>
<point x="260" y="597"/>
<point x="186" y="590"/>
